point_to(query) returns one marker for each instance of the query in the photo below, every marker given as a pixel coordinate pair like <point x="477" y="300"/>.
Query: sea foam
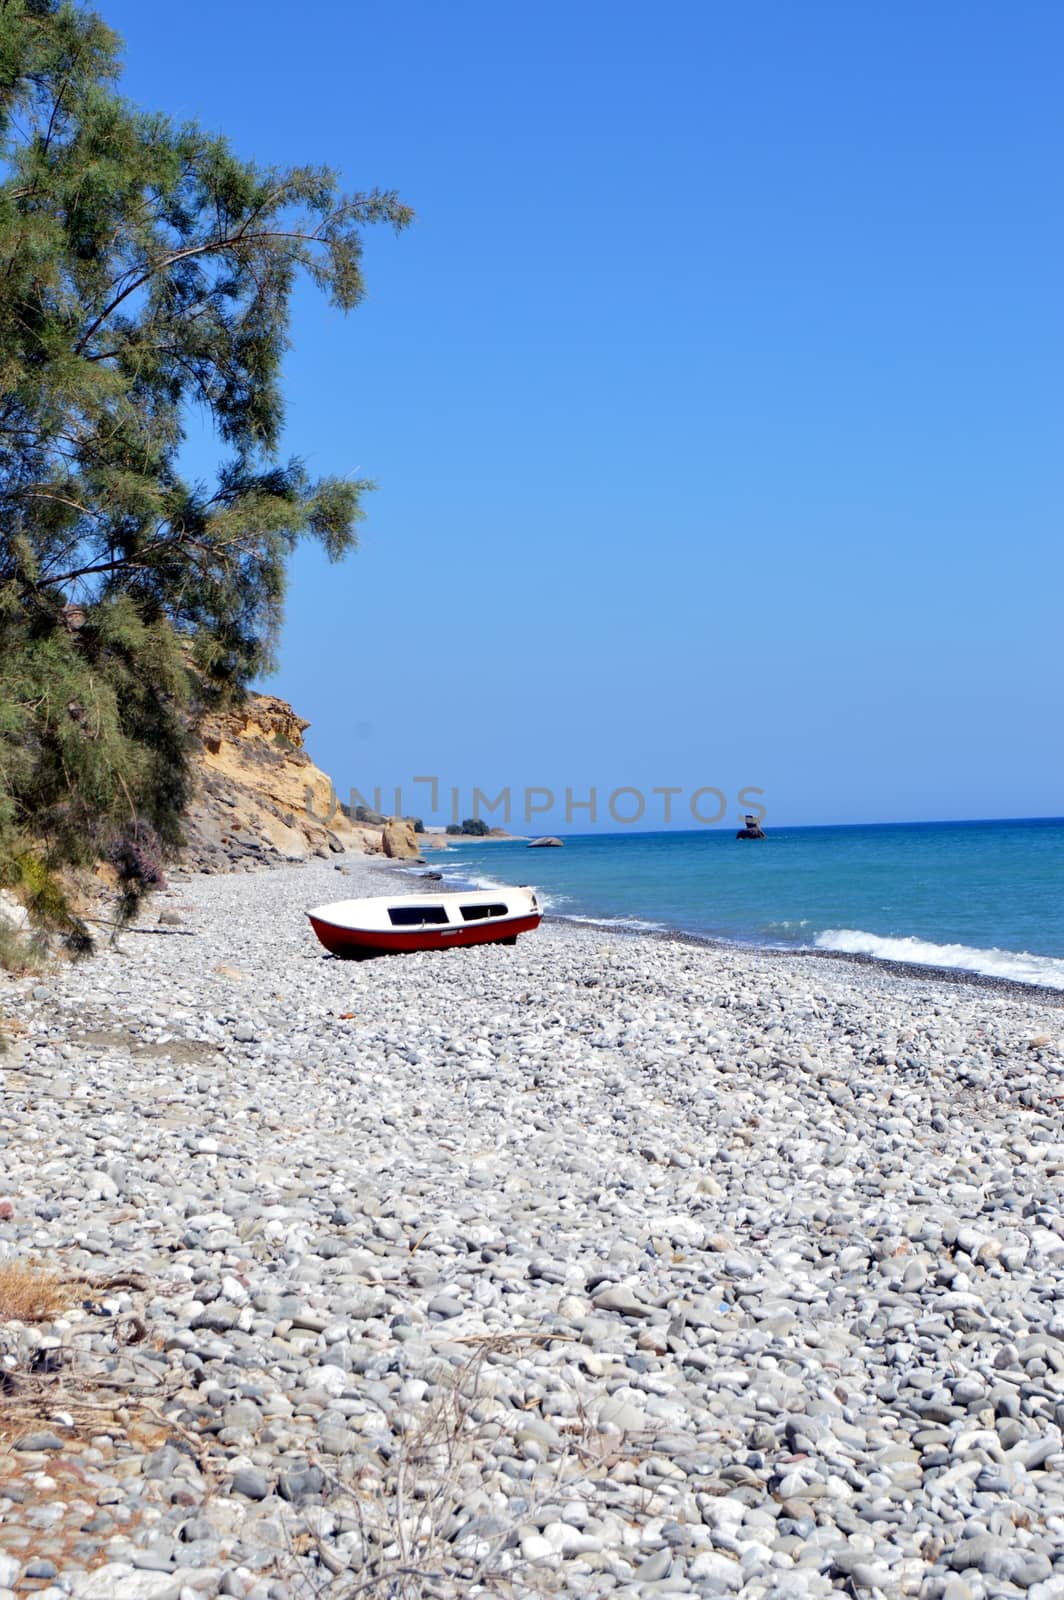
<point x="1016" y="966"/>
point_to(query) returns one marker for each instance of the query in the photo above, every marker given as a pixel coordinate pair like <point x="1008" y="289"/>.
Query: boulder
<point x="399" y="841"/>
<point x="547" y="841"/>
<point x="13" y="915"/>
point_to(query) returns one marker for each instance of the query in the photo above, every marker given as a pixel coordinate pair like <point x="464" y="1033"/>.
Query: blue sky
<point x="714" y="399"/>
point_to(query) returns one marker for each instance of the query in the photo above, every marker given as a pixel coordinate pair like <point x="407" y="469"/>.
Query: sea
<point x="978" y="897"/>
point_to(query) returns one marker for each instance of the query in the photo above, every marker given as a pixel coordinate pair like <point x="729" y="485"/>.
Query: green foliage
<point x="472" y="825"/>
<point x="38" y="890"/>
<point x="146" y="270"/>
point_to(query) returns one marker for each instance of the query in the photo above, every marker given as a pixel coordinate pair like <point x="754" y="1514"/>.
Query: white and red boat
<point x="425" y="921"/>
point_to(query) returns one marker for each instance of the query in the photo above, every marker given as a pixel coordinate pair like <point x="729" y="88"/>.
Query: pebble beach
<point x="601" y="1265"/>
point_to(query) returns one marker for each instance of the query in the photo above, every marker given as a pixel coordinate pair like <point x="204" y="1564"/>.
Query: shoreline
<point x="926" y="971"/>
<point x="905" y="969"/>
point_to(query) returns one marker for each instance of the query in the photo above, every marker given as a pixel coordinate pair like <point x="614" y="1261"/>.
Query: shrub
<point x="29" y="1293"/>
<point x="137" y="857"/>
<point x="40" y="890"/>
<point x="44" y="897"/>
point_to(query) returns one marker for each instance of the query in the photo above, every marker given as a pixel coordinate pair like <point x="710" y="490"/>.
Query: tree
<point x="144" y="269"/>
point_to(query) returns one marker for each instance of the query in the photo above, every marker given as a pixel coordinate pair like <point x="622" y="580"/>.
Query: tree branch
<point x="114" y="565"/>
<point x="210" y="247"/>
<point x="60" y="500"/>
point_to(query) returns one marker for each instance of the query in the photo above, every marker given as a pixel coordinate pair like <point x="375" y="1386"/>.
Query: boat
<point x="381" y="923"/>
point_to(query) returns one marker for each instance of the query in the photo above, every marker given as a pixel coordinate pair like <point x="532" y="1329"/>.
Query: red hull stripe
<point x="338" y="940"/>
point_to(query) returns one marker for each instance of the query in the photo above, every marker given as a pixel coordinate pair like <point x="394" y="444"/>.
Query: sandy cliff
<point x="260" y="799"/>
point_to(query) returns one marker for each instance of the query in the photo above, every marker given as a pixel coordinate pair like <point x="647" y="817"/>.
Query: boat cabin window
<point x="476" y="913"/>
<point x="416" y="916"/>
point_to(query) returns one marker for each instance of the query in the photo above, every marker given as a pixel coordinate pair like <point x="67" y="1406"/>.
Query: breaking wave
<point x="1016" y="966"/>
<point x="476" y="879"/>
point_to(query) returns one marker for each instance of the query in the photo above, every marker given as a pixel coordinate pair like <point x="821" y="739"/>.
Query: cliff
<point x="260" y="799"/>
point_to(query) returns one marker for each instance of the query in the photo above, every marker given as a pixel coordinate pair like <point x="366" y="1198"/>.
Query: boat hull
<point x="342" y="941"/>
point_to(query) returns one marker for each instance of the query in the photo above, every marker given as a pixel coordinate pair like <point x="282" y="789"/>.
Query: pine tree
<point x="144" y="269"/>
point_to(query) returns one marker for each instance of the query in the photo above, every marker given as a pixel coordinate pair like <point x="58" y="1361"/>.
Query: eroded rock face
<point x="399" y="841"/>
<point x="260" y="716"/>
<point x="261" y="800"/>
<point x="548" y="841"/>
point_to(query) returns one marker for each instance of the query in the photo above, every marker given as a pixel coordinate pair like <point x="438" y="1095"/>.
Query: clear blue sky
<point x="714" y="399"/>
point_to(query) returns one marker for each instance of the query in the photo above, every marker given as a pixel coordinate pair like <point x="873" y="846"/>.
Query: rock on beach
<point x="601" y="1265"/>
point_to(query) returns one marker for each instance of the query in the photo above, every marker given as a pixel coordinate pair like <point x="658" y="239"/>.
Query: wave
<point x="555" y="901"/>
<point x="1017" y="966"/>
<point x="481" y="880"/>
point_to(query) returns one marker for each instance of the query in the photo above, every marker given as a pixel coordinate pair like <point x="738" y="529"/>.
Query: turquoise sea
<point x="985" y="897"/>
